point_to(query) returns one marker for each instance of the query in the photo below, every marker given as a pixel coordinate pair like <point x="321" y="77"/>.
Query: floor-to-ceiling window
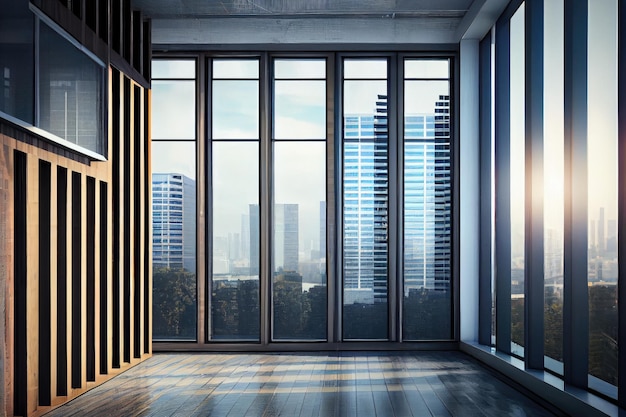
<point x="427" y="290"/>
<point x="174" y="199"/>
<point x="366" y="198"/>
<point x="299" y="200"/>
<point x="554" y="169"/>
<point x="324" y="191"/>
<point x="234" y="195"/>
<point x="517" y="179"/>
<point x="602" y="195"/>
<point x="557" y="180"/>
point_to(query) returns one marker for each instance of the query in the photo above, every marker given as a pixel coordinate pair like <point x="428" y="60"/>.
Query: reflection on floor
<point x="312" y="384"/>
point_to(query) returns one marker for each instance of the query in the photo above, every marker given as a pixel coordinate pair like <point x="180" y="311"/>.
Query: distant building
<point x="365" y="202"/>
<point x="286" y="237"/>
<point x="174" y="221"/>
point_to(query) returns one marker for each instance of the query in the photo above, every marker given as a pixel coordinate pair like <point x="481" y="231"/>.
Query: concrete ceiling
<point x="303" y="8"/>
<point x="232" y="24"/>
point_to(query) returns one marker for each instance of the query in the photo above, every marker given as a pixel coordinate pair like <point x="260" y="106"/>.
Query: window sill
<point x="53" y="138"/>
<point x="571" y="400"/>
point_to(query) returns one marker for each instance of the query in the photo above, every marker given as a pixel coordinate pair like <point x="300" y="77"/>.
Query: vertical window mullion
<point x="502" y="200"/>
<point x="575" y="298"/>
<point x="485" y="264"/>
<point x="265" y="188"/>
<point x="395" y="173"/>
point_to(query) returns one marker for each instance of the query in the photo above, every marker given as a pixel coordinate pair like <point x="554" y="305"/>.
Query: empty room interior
<point x="312" y="207"/>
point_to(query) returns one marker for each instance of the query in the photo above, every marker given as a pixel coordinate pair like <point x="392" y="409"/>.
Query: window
<point x="365" y="245"/>
<point x="306" y="161"/>
<point x="427" y="290"/>
<point x="174" y="199"/>
<point x="68" y="100"/>
<point x="557" y="195"/>
<point x="299" y="204"/>
<point x="236" y="225"/>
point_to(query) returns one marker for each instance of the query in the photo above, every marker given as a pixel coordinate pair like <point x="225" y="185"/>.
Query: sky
<point x="299" y="151"/>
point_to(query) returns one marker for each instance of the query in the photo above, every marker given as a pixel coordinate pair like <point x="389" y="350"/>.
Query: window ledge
<point x="52" y="138"/>
<point x="571" y="400"/>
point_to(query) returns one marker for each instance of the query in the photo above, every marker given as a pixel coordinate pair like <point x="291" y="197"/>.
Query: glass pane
<point x="299" y="109"/>
<point x="602" y="201"/>
<point x="427" y="307"/>
<point x="173" y="68"/>
<point x="235" y="68"/>
<point x="553" y="153"/>
<point x="235" y="110"/>
<point x="16" y="61"/>
<point x="517" y="181"/>
<point x="298" y="264"/>
<point x="300" y="68"/>
<point x="426" y="68"/>
<point x="173" y="110"/>
<point x="70" y="92"/>
<point x="174" y="240"/>
<point x="365" y="68"/>
<point x="236" y="239"/>
<point x="365" y="187"/>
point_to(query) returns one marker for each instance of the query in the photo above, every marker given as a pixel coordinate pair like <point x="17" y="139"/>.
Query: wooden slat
<point x="32" y="282"/>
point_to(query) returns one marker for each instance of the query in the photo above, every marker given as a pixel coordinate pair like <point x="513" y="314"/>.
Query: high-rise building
<point x="427" y="189"/>
<point x="322" y="252"/>
<point x="601" y="240"/>
<point x="255" y="238"/>
<point x="286" y="237"/>
<point x="174" y="221"/>
<point x="365" y="205"/>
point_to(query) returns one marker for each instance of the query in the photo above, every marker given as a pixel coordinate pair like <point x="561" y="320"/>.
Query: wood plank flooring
<point x="355" y="384"/>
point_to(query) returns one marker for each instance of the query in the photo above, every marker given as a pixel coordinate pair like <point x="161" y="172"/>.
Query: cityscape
<point x="299" y="243"/>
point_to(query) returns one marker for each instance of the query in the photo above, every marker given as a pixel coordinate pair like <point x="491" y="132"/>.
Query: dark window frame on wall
<point x="334" y="205"/>
<point x="576" y="294"/>
<point x="44" y="124"/>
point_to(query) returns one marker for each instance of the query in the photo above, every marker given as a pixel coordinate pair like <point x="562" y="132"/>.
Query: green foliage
<point x="235" y="309"/>
<point x="174" y="304"/>
<point x="427" y="315"/>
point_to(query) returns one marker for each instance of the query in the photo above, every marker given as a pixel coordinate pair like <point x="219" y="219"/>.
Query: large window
<point x="236" y="225"/>
<point x="174" y="199"/>
<point x="517" y="180"/>
<point x="325" y="184"/>
<point x="365" y="207"/>
<point x="299" y="203"/>
<point x="557" y="190"/>
<point x="427" y="302"/>
<point x="554" y="183"/>
<point x="62" y="92"/>
<point x="602" y="194"/>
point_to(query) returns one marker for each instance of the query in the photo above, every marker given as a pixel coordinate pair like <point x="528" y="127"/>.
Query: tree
<point x="174" y="303"/>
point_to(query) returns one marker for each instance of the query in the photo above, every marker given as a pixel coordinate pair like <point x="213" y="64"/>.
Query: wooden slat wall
<point x="75" y="236"/>
<point x="70" y="282"/>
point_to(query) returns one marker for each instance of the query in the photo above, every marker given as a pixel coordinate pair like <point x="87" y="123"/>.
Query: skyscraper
<point x="174" y="221"/>
<point x="427" y="198"/>
<point x="365" y="205"/>
<point x="286" y="237"/>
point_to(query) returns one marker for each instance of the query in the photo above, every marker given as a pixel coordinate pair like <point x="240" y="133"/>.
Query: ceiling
<point x="303" y="8"/>
<point x="232" y="24"/>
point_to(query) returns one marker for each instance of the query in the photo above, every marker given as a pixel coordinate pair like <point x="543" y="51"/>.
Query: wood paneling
<point x="60" y="295"/>
<point x="75" y="233"/>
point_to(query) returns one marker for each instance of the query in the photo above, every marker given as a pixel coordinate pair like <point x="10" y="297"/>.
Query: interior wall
<point x="75" y="287"/>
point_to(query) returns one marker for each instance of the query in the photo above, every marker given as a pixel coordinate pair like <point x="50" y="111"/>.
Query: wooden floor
<point x="318" y="384"/>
